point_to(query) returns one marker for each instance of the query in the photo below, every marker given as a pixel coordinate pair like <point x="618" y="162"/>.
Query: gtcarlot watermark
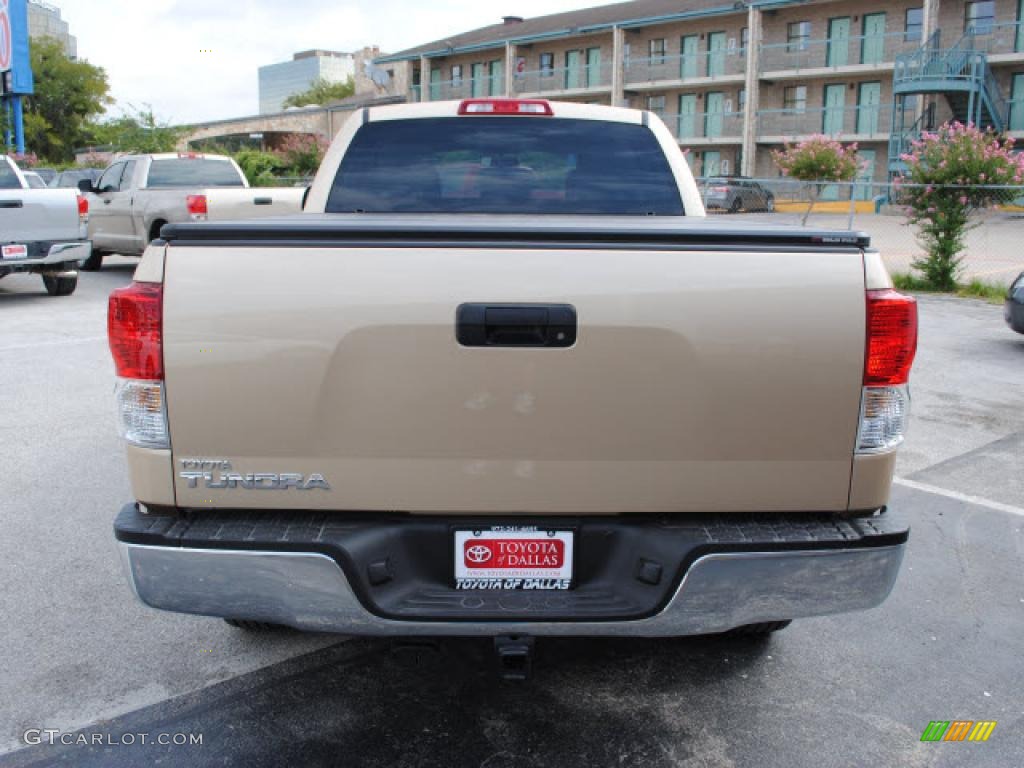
<point x="54" y="736"/>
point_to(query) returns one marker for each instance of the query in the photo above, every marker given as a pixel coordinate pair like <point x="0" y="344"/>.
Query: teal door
<point x="435" y="85"/>
<point x="716" y="54"/>
<point x="863" y="190"/>
<point x="713" y="118"/>
<point x="593" y="67"/>
<point x="712" y="163"/>
<point x="832" y="117"/>
<point x="1017" y="103"/>
<point x="479" y="82"/>
<point x="497" y="78"/>
<point x="1019" y="42"/>
<point x="869" y="99"/>
<point x="573" y="62"/>
<point x="838" y="42"/>
<point x="690" y="46"/>
<point x="872" y="47"/>
<point x="687" y="115"/>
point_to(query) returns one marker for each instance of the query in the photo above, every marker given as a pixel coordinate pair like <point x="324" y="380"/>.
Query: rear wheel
<point x="737" y="204"/>
<point x="762" y="628"/>
<point x="60" y="285"/>
<point x="770" y="205"/>
<point x="93" y="263"/>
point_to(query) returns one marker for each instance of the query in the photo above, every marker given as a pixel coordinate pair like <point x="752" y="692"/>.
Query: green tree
<point x="137" y="130"/>
<point x="321" y="91"/>
<point x="67" y="95"/>
<point x="817" y="161"/>
<point x="952" y="173"/>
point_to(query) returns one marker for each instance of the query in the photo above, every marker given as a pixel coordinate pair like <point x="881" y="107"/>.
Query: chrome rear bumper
<point x="309" y="591"/>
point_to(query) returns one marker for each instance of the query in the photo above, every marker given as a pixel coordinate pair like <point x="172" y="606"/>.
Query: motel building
<point x="735" y="80"/>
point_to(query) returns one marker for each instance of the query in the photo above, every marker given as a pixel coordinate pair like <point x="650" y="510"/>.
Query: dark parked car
<point x="735" y="194"/>
<point x="71" y="178"/>
<point x="1013" y="309"/>
<point x="46" y="174"/>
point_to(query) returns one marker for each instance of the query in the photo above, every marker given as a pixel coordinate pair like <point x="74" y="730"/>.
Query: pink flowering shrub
<point x="952" y="173"/>
<point x="818" y="159"/>
<point x="26" y="160"/>
<point x="301" y="153"/>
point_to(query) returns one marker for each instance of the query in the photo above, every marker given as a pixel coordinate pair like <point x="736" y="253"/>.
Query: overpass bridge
<point x="271" y="128"/>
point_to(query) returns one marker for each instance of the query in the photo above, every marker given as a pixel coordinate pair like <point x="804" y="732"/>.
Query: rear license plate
<point x="14" y="252"/>
<point x="513" y="558"/>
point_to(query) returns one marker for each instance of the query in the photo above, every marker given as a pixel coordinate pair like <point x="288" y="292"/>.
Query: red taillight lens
<point x="891" y="337"/>
<point x="83" y="207"/>
<point x="196" y="204"/>
<point x="135" y="331"/>
<point x="535" y="107"/>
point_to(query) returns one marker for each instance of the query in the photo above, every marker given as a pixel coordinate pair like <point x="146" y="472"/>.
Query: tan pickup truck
<point x="504" y="378"/>
<point x="137" y="194"/>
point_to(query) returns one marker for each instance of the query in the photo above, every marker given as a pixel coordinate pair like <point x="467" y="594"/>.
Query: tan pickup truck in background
<point x="504" y="378"/>
<point x="137" y="194"/>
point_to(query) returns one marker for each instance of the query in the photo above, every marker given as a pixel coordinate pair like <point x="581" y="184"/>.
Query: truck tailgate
<point x="252" y="202"/>
<point x="706" y="380"/>
<point x="33" y="215"/>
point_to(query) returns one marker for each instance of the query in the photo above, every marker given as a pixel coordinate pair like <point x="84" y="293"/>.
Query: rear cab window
<point x="8" y="177"/>
<point x="512" y="165"/>
<point x="193" y="172"/>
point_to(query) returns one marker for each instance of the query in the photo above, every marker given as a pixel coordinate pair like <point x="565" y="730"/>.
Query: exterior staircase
<point x="961" y="74"/>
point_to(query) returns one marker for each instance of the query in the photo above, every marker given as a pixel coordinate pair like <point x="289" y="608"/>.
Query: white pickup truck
<point x="502" y="377"/>
<point x="41" y="231"/>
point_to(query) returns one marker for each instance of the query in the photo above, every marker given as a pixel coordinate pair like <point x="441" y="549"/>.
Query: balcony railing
<point x="563" y="78"/>
<point x="835" y="52"/>
<point x="704" y="126"/>
<point x="865" y="121"/>
<point x="709" y="64"/>
<point x="1001" y="37"/>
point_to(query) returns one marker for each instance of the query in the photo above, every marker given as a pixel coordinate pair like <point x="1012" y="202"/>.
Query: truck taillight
<point x="135" y="332"/>
<point x="83" y="209"/>
<point x="890" y="346"/>
<point x="891" y="337"/>
<point x="196" y="205"/>
<point x="536" y="107"/>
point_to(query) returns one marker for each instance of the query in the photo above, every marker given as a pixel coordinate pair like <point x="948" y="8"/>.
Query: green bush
<point x="260" y="168"/>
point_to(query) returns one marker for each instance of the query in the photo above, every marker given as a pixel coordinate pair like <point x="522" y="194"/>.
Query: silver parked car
<point x="735" y="194"/>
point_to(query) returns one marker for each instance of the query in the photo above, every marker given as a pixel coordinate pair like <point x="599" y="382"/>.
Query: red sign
<point x="5" y="36"/>
<point x="513" y="553"/>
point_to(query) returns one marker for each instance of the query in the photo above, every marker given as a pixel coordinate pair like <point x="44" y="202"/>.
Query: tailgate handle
<point x="11" y="204"/>
<point x="515" y="325"/>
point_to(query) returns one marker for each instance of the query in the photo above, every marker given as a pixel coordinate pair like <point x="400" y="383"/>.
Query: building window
<point x="744" y="39"/>
<point x="794" y="98"/>
<point x="656" y="104"/>
<point x="741" y="101"/>
<point x="456" y="74"/>
<point x="915" y="23"/>
<point x="547" y="64"/>
<point x="798" y="35"/>
<point x="656" y="50"/>
<point x="979" y="16"/>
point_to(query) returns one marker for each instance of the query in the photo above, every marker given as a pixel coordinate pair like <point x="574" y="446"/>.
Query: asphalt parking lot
<point x="859" y="689"/>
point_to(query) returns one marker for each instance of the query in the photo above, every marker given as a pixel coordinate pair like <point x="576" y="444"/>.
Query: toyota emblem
<point x="478" y="553"/>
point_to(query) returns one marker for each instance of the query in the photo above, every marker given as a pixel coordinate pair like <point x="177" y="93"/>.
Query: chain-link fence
<point x="995" y="246"/>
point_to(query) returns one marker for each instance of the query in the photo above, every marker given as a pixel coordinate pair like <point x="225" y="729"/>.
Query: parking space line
<point x="926" y="488"/>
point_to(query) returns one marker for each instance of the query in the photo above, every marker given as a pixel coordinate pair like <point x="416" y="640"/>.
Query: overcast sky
<point x="155" y="51"/>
